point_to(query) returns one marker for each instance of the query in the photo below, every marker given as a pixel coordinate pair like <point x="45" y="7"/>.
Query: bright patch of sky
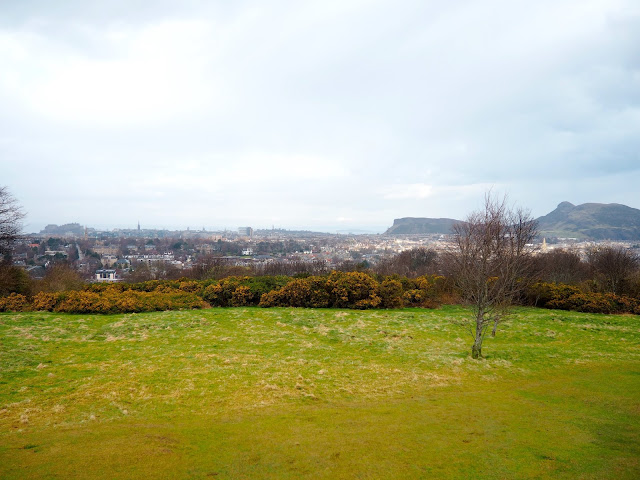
<point x="315" y="115"/>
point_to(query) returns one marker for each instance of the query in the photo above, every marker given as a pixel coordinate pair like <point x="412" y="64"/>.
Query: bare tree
<point x="410" y="263"/>
<point x="490" y="261"/>
<point x="60" y="277"/>
<point x="296" y="267"/>
<point x="561" y="266"/>
<point x="11" y="216"/>
<point x="12" y="279"/>
<point x="614" y="265"/>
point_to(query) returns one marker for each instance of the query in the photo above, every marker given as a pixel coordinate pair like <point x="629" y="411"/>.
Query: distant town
<point x="139" y="254"/>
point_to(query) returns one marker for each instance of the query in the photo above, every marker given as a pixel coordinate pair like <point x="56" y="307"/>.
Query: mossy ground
<point x="292" y="393"/>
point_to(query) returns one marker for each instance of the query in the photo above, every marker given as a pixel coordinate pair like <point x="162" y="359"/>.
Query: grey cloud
<point x="537" y="98"/>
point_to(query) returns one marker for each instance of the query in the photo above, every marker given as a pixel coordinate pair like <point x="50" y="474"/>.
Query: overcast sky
<point x="320" y="115"/>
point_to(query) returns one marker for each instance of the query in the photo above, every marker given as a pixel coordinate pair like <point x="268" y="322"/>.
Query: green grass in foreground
<point x="291" y="393"/>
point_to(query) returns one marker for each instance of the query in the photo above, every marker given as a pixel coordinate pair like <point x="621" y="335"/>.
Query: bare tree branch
<point x="614" y="265"/>
<point x="11" y="216"/>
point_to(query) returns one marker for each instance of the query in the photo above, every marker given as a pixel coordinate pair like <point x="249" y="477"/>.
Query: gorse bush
<point x="44" y="301"/>
<point x="391" y="294"/>
<point x="358" y="290"/>
<point x="569" y="297"/>
<point x="14" y="302"/>
<point x="596" y="303"/>
<point x="242" y="297"/>
<point x="190" y="286"/>
<point x="428" y="291"/>
<point x="355" y="290"/>
<point x="115" y="300"/>
<point x="309" y="292"/>
<point x="221" y="293"/>
<point x="540" y="293"/>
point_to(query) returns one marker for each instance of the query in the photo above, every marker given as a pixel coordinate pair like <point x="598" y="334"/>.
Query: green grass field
<point x="251" y="393"/>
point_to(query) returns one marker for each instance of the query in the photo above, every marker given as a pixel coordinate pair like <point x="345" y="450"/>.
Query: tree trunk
<point x="476" y="350"/>
<point x="495" y="327"/>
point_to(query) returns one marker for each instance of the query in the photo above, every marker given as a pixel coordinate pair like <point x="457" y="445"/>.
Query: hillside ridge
<point x="587" y="221"/>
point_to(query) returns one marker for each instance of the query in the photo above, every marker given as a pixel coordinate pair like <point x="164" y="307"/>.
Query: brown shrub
<point x="15" y="302"/>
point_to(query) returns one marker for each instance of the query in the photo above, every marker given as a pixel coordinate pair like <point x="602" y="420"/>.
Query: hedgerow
<point x="114" y="300"/>
<point x="569" y="297"/>
<point x="356" y="290"/>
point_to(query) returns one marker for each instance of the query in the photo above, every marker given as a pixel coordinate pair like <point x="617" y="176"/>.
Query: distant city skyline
<point x="340" y="229"/>
<point x="324" y="116"/>
<point x="210" y="228"/>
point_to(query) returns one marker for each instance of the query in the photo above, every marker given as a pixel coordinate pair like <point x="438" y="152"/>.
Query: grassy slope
<point x="289" y="393"/>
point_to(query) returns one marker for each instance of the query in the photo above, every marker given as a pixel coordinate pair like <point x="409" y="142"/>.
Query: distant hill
<point x="592" y="221"/>
<point x="589" y="221"/>
<point x="410" y="225"/>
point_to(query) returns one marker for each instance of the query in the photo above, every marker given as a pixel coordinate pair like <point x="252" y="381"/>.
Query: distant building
<point x="108" y="260"/>
<point x="53" y="253"/>
<point x="149" y="259"/>
<point x="246" y="231"/>
<point x="36" y="271"/>
<point x="105" y="249"/>
<point x="107" y="276"/>
<point x="122" y="263"/>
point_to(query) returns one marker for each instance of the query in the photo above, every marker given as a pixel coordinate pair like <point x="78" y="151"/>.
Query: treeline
<point x="606" y="280"/>
<point x="601" y="269"/>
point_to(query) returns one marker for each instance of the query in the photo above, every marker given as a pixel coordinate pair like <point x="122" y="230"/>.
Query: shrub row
<point x="356" y="290"/>
<point x="115" y="301"/>
<point x="241" y="291"/>
<point x="106" y="301"/>
<point x="568" y="297"/>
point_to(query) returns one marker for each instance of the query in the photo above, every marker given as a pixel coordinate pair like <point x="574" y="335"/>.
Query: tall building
<point x="246" y="231"/>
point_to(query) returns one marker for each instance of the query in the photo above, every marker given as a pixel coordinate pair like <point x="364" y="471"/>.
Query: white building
<point x="107" y="276"/>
